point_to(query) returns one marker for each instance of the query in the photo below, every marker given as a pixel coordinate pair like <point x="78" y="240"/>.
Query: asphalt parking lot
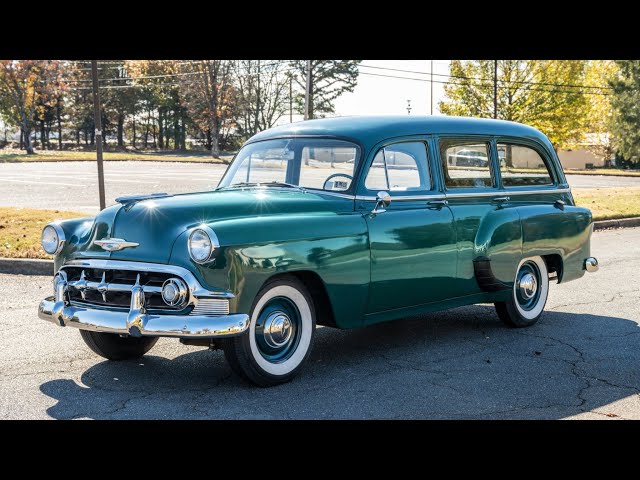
<point x="582" y="360"/>
<point x="73" y="185"/>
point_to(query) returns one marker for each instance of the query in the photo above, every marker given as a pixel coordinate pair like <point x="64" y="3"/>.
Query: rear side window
<point x="522" y="166"/>
<point x="465" y="164"/>
<point x="399" y="168"/>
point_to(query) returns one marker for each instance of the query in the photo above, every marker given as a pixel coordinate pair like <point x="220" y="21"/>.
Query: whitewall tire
<point x="280" y="335"/>
<point x="528" y="295"/>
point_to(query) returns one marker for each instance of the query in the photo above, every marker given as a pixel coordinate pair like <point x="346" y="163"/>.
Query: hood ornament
<point x="114" y="244"/>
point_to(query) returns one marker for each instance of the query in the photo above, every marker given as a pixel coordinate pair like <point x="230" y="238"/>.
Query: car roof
<point x="369" y="130"/>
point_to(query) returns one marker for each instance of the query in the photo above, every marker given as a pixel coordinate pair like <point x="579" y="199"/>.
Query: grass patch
<point x="20" y="230"/>
<point x="609" y="203"/>
<point x="610" y="172"/>
<point x="19" y="156"/>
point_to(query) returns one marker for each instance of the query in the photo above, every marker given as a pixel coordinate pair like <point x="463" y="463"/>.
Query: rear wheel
<point x="280" y="335"/>
<point x="114" y="347"/>
<point x="528" y="296"/>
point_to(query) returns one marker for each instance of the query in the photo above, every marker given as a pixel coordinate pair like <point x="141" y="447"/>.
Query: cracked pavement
<point x="582" y="360"/>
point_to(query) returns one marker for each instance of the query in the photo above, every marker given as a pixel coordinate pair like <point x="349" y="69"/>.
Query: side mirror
<point x="383" y="200"/>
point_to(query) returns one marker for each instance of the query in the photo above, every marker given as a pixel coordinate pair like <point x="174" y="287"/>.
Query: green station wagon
<point x="341" y="222"/>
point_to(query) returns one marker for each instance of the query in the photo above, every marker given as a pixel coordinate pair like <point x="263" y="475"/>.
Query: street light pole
<point x="408" y="107"/>
<point x="98" y="124"/>
<point x="307" y="92"/>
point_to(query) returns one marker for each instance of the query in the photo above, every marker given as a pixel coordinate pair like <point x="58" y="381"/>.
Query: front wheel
<point x="114" y="347"/>
<point x="279" y="337"/>
<point x="528" y="296"/>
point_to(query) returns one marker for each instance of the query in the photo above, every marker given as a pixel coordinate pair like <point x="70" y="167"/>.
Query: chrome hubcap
<point x="528" y="285"/>
<point x="277" y="329"/>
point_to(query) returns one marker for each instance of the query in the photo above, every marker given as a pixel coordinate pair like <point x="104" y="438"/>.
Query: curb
<point x="26" y="266"/>
<point x="620" y="223"/>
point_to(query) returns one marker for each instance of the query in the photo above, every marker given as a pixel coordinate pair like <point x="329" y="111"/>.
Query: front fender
<point x="334" y="246"/>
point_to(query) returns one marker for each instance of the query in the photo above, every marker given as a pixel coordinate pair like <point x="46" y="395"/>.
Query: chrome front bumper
<point x="137" y="324"/>
<point x="138" y="321"/>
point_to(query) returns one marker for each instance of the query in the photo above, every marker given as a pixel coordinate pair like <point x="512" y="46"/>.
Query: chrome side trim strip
<point x="332" y="194"/>
<point x="440" y="196"/>
<point x="193" y="284"/>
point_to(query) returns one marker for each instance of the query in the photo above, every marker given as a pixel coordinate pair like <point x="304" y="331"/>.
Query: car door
<point x="476" y="202"/>
<point x="412" y="240"/>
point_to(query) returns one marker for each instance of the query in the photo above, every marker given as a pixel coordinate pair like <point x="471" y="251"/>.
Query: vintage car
<point x="341" y="222"/>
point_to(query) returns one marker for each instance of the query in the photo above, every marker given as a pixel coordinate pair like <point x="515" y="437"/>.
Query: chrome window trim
<point x="510" y="192"/>
<point x="195" y="287"/>
<point x="464" y="195"/>
<point x="405" y="198"/>
<point x="61" y="237"/>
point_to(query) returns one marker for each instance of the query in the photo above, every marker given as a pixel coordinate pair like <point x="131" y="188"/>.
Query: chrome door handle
<point x="438" y="203"/>
<point x="501" y="199"/>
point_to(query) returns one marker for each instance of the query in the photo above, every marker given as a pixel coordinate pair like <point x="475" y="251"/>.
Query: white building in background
<point x="581" y="157"/>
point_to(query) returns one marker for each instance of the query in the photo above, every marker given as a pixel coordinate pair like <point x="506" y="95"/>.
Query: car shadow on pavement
<point x="461" y="363"/>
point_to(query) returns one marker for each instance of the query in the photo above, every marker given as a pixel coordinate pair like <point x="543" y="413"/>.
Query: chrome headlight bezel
<point x="60" y="238"/>
<point x="213" y="243"/>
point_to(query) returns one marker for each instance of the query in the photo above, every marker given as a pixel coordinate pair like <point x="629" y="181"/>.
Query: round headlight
<point x="202" y="243"/>
<point x="52" y="239"/>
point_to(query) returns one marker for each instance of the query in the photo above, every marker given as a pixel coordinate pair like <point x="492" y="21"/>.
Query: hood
<point x="156" y="223"/>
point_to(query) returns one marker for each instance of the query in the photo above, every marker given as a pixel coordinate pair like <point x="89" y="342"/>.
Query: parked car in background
<point x="342" y="222"/>
<point x="468" y="158"/>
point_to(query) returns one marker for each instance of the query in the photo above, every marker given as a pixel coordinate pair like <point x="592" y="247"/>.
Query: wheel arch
<point x="316" y="288"/>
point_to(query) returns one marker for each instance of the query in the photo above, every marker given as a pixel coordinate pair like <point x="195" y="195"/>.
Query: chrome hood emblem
<point x="115" y="244"/>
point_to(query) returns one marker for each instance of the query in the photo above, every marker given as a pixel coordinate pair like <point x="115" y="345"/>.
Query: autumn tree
<point x="262" y="94"/>
<point x="599" y="119"/>
<point x="545" y="94"/>
<point x="23" y="88"/>
<point x="208" y="96"/>
<point x="329" y="80"/>
<point x="625" y="101"/>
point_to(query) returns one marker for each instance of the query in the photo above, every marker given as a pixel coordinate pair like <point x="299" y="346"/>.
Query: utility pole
<point x="290" y="98"/>
<point x="307" y="92"/>
<point x="431" y="96"/>
<point x="495" y="89"/>
<point x="98" y="124"/>
<point x="408" y="107"/>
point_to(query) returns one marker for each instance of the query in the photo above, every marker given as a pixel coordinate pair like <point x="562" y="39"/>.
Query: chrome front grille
<point x="212" y="307"/>
<point x="112" y="288"/>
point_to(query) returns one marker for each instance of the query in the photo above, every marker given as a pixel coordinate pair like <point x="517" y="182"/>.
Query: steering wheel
<point x="336" y="175"/>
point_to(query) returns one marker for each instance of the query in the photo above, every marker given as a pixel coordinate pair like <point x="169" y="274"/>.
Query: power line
<point x="484" y="79"/>
<point x="487" y="85"/>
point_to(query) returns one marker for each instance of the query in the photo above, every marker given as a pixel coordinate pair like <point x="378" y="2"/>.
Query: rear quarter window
<point x="522" y="166"/>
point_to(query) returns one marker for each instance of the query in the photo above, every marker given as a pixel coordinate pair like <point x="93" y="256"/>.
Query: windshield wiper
<point x="284" y="184"/>
<point x="239" y="184"/>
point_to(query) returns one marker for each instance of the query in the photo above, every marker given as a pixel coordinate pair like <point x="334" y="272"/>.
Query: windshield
<point x="318" y="163"/>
